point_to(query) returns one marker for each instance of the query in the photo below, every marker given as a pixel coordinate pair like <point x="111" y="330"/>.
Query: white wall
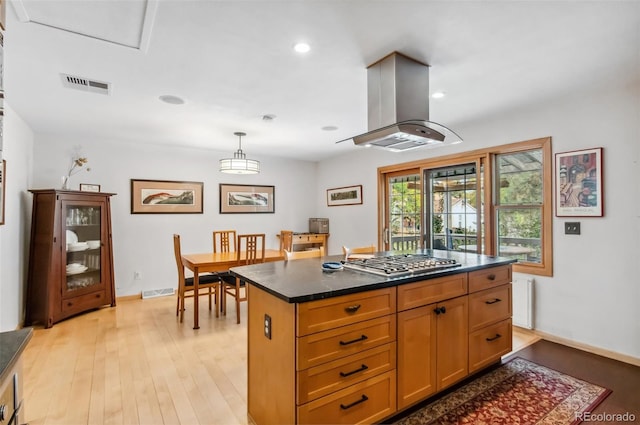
<point x="14" y="234"/>
<point x="593" y="295"/>
<point x="143" y="242"/>
<point x="591" y="299"/>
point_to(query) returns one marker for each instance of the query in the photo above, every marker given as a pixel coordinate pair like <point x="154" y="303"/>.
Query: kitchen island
<point x="355" y="347"/>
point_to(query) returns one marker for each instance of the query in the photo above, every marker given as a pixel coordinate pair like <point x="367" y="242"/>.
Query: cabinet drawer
<point x="488" y="344"/>
<point x="489" y="278"/>
<point x="366" y="402"/>
<point x="83" y="302"/>
<point x="298" y="239"/>
<point x="431" y="291"/>
<point x="326" y="346"/>
<point x="489" y="306"/>
<point x="330" y="313"/>
<point x="333" y="376"/>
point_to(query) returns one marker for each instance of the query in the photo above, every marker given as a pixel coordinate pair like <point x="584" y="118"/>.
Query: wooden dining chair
<point x="224" y="241"/>
<point x="250" y="250"/>
<point x="286" y="240"/>
<point x="310" y="253"/>
<point x="210" y="282"/>
<point x="369" y="249"/>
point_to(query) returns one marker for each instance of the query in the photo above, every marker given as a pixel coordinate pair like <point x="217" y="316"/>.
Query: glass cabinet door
<point x="83" y="242"/>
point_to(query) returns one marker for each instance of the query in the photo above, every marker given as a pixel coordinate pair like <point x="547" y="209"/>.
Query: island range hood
<point x="398" y="107"/>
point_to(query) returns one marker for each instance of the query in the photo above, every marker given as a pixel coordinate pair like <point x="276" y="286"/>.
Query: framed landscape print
<point x="166" y="197"/>
<point x="350" y="195"/>
<point x="244" y="198"/>
<point x="579" y="187"/>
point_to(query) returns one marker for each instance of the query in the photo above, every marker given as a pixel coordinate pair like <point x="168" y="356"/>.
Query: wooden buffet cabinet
<point x="363" y="357"/>
<point x="70" y="255"/>
<point x="302" y="241"/>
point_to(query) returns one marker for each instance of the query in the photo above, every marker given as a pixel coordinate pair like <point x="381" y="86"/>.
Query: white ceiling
<point x="233" y="63"/>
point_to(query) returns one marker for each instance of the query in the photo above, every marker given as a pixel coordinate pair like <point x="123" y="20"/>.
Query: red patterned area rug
<point x="518" y="392"/>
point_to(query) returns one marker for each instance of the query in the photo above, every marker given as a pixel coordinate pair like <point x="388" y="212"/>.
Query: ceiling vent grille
<point x="84" y="84"/>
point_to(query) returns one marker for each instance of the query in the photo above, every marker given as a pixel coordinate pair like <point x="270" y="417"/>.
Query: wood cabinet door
<point x="416" y="355"/>
<point x="453" y="340"/>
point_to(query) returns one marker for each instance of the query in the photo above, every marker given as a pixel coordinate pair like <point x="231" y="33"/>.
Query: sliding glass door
<point x="454" y="212"/>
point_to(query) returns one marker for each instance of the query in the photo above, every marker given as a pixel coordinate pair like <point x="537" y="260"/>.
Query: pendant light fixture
<point x="239" y="164"/>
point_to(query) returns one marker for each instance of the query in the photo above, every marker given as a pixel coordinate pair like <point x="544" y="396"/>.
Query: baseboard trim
<point x="126" y="298"/>
<point x="589" y="348"/>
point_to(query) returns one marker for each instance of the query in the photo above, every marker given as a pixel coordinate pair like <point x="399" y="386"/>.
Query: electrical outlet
<point x="267" y="326"/>
<point x="572" y="228"/>
<point x="137" y="276"/>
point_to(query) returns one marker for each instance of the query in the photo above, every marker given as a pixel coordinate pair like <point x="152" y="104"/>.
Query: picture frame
<point x="348" y="195"/>
<point x="579" y="186"/>
<point x="166" y="197"/>
<point x="3" y="188"/>
<point x="88" y="187"/>
<point x="246" y="199"/>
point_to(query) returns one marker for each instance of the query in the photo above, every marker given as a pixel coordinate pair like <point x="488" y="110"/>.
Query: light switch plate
<point x="572" y="228"/>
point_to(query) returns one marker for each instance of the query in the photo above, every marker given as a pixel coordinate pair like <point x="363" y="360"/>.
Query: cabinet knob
<point x="439" y="310"/>
<point x="491" y="277"/>
<point x="493" y="301"/>
<point x="493" y="338"/>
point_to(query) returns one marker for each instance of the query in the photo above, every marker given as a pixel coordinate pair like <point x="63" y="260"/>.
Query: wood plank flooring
<point x="136" y="364"/>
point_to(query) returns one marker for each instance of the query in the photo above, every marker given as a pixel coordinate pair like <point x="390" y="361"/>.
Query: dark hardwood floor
<point x="623" y="379"/>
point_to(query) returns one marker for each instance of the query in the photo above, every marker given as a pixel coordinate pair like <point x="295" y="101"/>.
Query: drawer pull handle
<point x="491" y="277"/>
<point x="360" y="369"/>
<point x="352" y="308"/>
<point x="362" y="338"/>
<point x="493" y="301"/>
<point x="494" y="338"/>
<point x="348" y="406"/>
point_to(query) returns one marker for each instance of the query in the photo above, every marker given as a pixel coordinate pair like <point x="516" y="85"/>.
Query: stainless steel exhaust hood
<point x="398" y="107"/>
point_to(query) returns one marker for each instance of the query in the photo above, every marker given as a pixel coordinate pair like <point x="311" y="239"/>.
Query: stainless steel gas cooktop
<point x="399" y="265"/>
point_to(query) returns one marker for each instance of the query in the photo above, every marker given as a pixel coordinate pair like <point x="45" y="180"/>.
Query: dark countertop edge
<point x="382" y="283"/>
<point x="12" y="344"/>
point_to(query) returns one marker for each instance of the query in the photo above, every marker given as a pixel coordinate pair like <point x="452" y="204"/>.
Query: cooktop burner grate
<point x="398" y="265"/>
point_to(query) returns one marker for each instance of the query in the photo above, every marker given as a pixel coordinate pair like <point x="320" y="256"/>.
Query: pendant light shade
<point x="239" y="164"/>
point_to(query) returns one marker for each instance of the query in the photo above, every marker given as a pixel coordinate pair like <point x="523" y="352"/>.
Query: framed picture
<point x="244" y="198"/>
<point x="3" y="171"/>
<point x="579" y="187"/>
<point x="166" y="197"/>
<point x="350" y="195"/>
<point x="85" y="187"/>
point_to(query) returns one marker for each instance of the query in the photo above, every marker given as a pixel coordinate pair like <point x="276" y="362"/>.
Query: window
<point x="511" y="215"/>
<point x="518" y="204"/>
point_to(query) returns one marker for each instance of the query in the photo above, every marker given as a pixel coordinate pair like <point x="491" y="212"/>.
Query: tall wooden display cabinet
<point x="70" y="256"/>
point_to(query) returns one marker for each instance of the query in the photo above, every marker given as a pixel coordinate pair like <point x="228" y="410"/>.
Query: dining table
<point x="217" y="262"/>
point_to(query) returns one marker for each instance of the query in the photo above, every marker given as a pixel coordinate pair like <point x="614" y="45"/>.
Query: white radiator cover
<point x="523" y="302"/>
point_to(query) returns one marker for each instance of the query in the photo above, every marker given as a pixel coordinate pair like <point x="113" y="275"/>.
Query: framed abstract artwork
<point x="579" y="189"/>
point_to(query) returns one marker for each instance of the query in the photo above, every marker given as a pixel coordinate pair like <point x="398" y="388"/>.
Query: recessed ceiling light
<point x="301" y="47"/>
<point x="438" y="95"/>
<point x="173" y="100"/>
<point x="329" y="128"/>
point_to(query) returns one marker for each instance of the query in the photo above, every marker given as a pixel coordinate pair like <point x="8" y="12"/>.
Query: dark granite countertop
<point x="12" y="344"/>
<point x="301" y="281"/>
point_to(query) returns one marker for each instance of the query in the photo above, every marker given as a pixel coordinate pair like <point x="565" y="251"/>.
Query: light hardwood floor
<point x="136" y="364"/>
